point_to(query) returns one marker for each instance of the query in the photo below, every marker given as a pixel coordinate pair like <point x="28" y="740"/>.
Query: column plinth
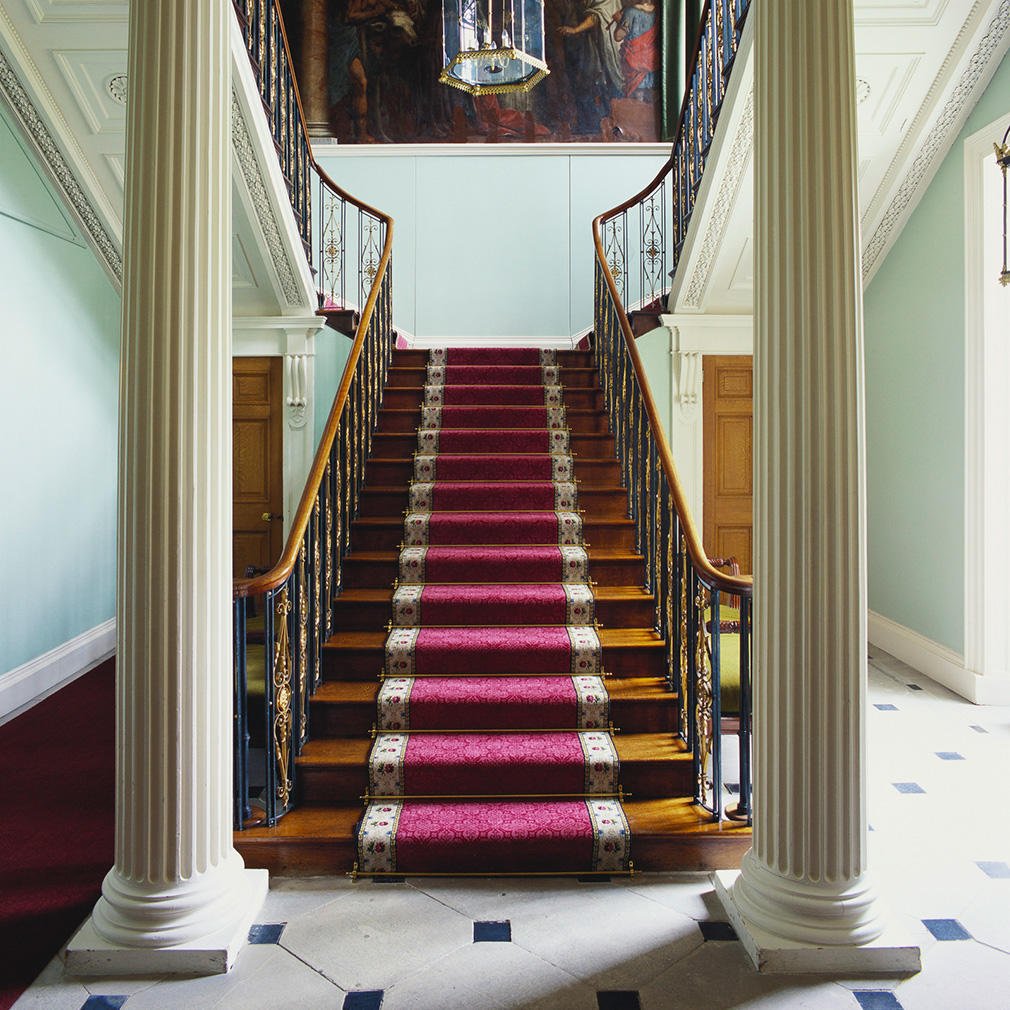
<point x="178" y="899"/>
<point x="804" y="900"/>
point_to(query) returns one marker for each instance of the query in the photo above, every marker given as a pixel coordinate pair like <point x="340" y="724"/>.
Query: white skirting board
<point x="936" y="661"/>
<point x="29" y="683"/>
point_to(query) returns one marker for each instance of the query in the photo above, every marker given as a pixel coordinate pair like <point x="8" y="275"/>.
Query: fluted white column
<point x="804" y="884"/>
<point x="178" y="897"/>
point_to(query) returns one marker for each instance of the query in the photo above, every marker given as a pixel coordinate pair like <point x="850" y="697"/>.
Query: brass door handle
<point x="271" y="517"/>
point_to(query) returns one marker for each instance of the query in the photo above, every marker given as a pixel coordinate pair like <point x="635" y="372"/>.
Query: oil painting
<point x="368" y="74"/>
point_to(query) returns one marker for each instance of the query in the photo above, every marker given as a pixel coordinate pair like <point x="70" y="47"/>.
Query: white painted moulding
<point x="937" y="662"/>
<point x="30" y="683"/>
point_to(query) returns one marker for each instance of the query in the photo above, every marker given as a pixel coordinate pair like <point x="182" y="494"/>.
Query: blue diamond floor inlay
<point x="996" y="870"/>
<point x="266" y="932"/>
<point x="717" y="931"/>
<point x="886" y="707"/>
<point x="908" y="787"/>
<point x="492" y="932"/>
<point x="913" y="687"/>
<point x="877" y="999"/>
<point x="946" y="929"/>
<point x="618" y="999"/>
<point x="980" y="729"/>
<point x="104" y="1002"/>
<point x="364" y="999"/>
<point x="949" y="755"/>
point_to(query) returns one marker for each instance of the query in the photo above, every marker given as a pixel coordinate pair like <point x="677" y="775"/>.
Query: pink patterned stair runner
<point x="493" y="750"/>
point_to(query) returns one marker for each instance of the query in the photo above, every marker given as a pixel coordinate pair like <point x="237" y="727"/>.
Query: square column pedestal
<point x="89" y="953"/>
<point x="890" y="954"/>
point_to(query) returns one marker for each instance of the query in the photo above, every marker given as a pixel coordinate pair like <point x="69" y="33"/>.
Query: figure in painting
<point x="636" y="34"/>
<point x="594" y="61"/>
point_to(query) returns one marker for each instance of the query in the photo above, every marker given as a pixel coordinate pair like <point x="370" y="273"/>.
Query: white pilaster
<point x="178" y="899"/>
<point x="804" y="900"/>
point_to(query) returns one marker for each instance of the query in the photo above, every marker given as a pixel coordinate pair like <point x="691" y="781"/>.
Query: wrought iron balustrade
<point x="283" y="616"/>
<point x="704" y="643"/>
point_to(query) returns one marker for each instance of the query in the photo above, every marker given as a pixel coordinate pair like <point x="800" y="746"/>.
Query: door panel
<point x="257" y="462"/>
<point x="728" y="424"/>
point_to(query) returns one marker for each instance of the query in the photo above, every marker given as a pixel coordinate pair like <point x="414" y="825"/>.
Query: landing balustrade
<point x="708" y="642"/>
<point x="283" y="616"/>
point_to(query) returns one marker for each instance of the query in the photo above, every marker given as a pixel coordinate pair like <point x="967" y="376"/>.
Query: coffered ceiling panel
<point x="97" y="80"/>
<point x="908" y="14"/>
<point x="78" y="10"/>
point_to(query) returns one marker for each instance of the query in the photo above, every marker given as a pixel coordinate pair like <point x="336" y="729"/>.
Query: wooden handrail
<point x="699" y="559"/>
<point x="281" y="571"/>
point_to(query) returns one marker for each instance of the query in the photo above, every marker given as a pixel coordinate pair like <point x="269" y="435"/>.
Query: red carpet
<point x="498" y="564"/>
<point x="461" y="496"/>
<point x="56" y="832"/>
<point x="493" y="604"/>
<point x="481" y="703"/>
<point x="493" y="752"/>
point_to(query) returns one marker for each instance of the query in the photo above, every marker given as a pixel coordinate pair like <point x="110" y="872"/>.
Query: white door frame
<point x="987" y="426"/>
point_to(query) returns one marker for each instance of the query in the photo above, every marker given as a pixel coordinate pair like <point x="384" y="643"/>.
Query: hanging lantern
<point x="1003" y="160"/>
<point x="493" y="46"/>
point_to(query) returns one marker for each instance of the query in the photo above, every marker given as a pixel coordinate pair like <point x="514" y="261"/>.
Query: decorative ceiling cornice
<point x="37" y="131"/>
<point x="740" y="156"/>
<point x="937" y="142"/>
<point x="245" y="154"/>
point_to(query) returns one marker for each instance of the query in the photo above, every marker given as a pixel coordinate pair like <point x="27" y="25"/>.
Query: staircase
<point x="494" y="698"/>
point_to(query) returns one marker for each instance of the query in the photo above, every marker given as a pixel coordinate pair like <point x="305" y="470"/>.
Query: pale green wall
<point x="59" y="347"/>
<point x="915" y="312"/>
<point x="492" y="245"/>
<point x="332" y="349"/>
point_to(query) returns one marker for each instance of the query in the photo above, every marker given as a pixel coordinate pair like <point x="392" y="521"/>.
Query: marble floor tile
<point x="489" y="976"/>
<point x="52" y="990"/>
<point x="376" y="934"/>
<point x="720" y="976"/>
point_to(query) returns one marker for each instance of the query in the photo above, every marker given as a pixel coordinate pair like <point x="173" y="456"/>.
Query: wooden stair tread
<point x="599" y="553"/>
<point x="366" y="595"/>
<point x="364" y="692"/>
<point x="663" y="818"/>
<point x="654" y="818"/>
<point x="632" y="748"/>
<point x="609" y="638"/>
<point x="382" y="522"/>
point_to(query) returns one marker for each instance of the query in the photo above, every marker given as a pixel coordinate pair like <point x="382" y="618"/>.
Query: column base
<point x="889" y="954"/>
<point x="89" y="953"/>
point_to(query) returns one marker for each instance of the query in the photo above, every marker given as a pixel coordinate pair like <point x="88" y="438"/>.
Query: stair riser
<point x="599" y="503"/>
<point x="413" y="377"/>
<point x="408" y="419"/>
<point x="351" y="663"/>
<point x="389" y="537"/>
<point x="328" y="785"/>
<point x="419" y="359"/>
<point x="361" y="615"/>
<point x="396" y="472"/>
<point x="367" y="574"/>
<point x="579" y="399"/>
<point x="329" y="719"/>
<point x="392" y="445"/>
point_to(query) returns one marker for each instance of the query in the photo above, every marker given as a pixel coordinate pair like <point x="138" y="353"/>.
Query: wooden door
<point x="728" y="423"/>
<point x="257" y="462"/>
